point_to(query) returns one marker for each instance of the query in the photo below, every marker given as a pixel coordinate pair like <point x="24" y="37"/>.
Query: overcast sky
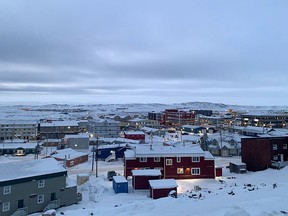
<point x="92" y="51"/>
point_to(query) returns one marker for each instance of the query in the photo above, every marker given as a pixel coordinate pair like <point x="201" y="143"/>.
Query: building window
<point x="6" y="206"/>
<point x="143" y="159"/>
<point x="41" y="183"/>
<point x="169" y="162"/>
<point x="180" y="171"/>
<point x="195" y="159"/>
<point x="274" y="146"/>
<point x="156" y="159"/>
<point x="178" y="159"/>
<point x="284" y="146"/>
<point x="195" y="171"/>
<point x="40" y="199"/>
<point x="7" y="190"/>
<point x="275" y="157"/>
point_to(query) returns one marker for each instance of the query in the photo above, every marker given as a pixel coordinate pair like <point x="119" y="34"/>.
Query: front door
<point x="53" y="196"/>
<point x="20" y="203"/>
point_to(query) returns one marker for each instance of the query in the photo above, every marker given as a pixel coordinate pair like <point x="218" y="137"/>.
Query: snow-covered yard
<point x="260" y="194"/>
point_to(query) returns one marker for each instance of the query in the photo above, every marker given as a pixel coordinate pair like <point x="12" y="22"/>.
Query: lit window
<point x="178" y="159"/>
<point x="274" y="146"/>
<point x="169" y="162"/>
<point x="180" y="170"/>
<point x="143" y="159"/>
<point x="195" y="171"/>
<point x="7" y="190"/>
<point x="284" y="146"/>
<point x="156" y="159"/>
<point x="195" y="159"/>
<point x="5" y="206"/>
<point x="40" y="199"/>
<point x="41" y="183"/>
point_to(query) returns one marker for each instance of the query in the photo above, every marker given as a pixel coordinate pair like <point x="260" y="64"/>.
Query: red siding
<point x="207" y="168"/>
<point x="257" y="153"/>
<point x="142" y="182"/>
<point x="159" y="193"/>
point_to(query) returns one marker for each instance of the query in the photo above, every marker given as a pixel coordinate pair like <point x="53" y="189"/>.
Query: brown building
<point x="176" y="118"/>
<point x="261" y="153"/>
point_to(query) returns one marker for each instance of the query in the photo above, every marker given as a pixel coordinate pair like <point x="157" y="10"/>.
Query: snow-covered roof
<point x="75" y="136"/>
<point x="112" y="146"/>
<point x="161" y="151"/>
<point x="192" y="126"/>
<point x="18" y="170"/>
<point x="149" y="129"/>
<point x="59" y="124"/>
<point x="136" y="120"/>
<point x="67" y="153"/>
<point x="18" y="145"/>
<point x="163" y="183"/>
<point x="146" y="172"/>
<point x="119" y="179"/>
<point x="134" y="132"/>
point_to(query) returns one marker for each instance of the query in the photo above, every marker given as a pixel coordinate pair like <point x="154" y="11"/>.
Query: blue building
<point x="120" y="184"/>
<point x="111" y="152"/>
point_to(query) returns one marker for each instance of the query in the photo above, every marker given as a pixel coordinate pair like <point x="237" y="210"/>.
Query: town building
<point x="58" y="129"/>
<point x="76" y="141"/>
<point x="26" y="130"/>
<point x="269" y="120"/>
<point x="183" y="162"/>
<point x="70" y="157"/>
<point x="262" y="153"/>
<point x="177" y="118"/>
<point x="104" y="128"/>
<point x="35" y="186"/>
<point x="135" y="135"/>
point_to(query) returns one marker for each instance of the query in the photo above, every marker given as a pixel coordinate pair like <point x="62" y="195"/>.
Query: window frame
<point x="285" y="147"/>
<point x="7" y="190"/>
<point x="274" y="147"/>
<point x="41" y="183"/>
<point x="5" y="206"/>
<point x="170" y="163"/>
<point x="40" y="199"/>
<point x="157" y="159"/>
<point x="178" y="159"/>
<point x="143" y="159"/>
<point x="180" y="170"/>
<point x="195" y="161"/>
<point x="195" y="168"/>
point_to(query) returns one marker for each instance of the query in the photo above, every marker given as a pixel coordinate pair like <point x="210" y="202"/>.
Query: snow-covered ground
<point x="250" y="194"/>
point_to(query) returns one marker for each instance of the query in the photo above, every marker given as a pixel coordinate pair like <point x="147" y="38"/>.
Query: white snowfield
<point x="252" y="194"/>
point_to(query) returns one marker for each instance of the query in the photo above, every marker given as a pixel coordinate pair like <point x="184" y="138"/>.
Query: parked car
<point x="110" y="175"/>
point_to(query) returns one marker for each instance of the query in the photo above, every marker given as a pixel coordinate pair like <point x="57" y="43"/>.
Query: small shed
<point x="237" y="167"/>
<point x="120" y="184"/>
<point x="140" y="178"/>
<point x="162" y="188"/>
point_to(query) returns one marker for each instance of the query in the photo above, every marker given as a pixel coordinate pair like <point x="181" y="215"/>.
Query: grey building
<point x="34" y="186"/>
<point x="77" y="141"/>
<point x="26" y="130"/>
<point x="104" y="128"/>
<point x="58" y="129"/>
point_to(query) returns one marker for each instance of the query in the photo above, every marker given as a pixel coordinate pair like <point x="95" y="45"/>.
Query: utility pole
<point x="93" y="155"/>
<point x="96" y="158"/>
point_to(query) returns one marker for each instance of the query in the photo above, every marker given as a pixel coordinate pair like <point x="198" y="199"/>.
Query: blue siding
<point x="121" y="187"/>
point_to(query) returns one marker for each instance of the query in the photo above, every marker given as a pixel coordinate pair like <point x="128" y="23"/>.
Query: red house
<point x="162" y="188"/>
<point x="70" y="157"/>
<point x="135" y="135"/>
<point x="189" y="162"/>
<point x="140" y="178"/>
